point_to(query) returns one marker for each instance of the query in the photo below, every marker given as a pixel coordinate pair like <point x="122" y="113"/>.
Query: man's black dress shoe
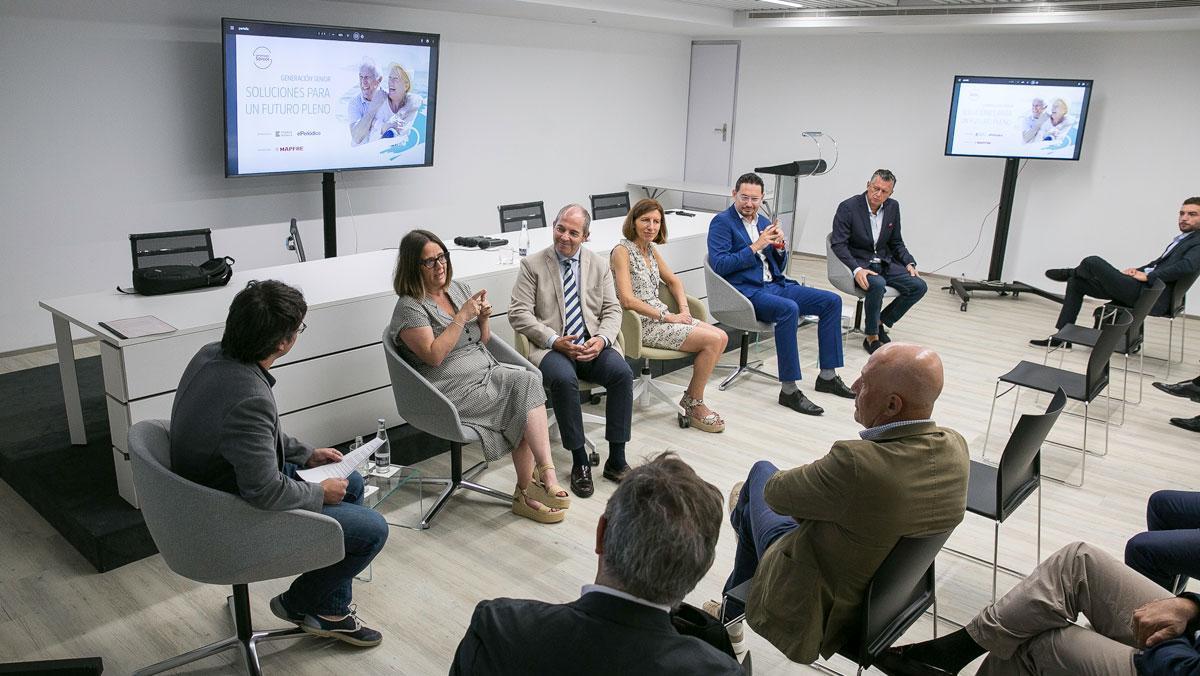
<point x="883" y="335"/>
<point x="1189" y="424"/>
<point x="1059" y="274"/>
<point x="834" y="386"/>
<point x="581" y="481"/>
<point x="613" y="474"/>
<point x="1050" y="342"/>
<point x="799" y="403"/>
<point x="893" y="663"/>
<point x="870" y="347"/>
<point x="1185" y="389"/>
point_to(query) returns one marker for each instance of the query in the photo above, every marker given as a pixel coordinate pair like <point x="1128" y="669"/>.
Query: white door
<point x="711" y="94"/>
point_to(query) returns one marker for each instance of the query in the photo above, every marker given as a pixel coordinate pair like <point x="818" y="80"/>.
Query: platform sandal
<point x="541" y="514"/>
<point x="553" y="495"/>
<point x="709" y="423"/>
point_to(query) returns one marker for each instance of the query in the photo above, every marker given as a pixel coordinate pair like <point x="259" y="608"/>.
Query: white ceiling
<point x="732" y="18"/>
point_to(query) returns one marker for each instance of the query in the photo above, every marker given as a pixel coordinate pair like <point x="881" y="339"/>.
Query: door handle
<point x="724" y="129"/>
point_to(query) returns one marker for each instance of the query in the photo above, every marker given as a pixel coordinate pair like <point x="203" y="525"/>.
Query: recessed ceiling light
<point x="786" y="3"/>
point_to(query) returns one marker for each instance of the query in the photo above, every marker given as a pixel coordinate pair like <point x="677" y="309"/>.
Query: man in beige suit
<point x="565" y="303"/>
<point x="812" y="537"/>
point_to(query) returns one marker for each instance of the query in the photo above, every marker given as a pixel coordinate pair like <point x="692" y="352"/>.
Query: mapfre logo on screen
<point x="262" y="58"/>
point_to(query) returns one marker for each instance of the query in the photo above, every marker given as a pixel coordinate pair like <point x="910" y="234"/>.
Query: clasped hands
<point x="1135" y="273"/>
<point x="860" y="277"/>
<point x="772" y="235"/>
<point x="585" y="352"/>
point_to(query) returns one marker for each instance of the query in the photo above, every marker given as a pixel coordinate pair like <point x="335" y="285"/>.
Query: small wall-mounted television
<point x="1021" y="117"/>
<point x="302" y="98"/>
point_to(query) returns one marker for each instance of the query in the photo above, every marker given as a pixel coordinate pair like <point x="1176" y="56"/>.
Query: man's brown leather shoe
<point x="581" y="481"/>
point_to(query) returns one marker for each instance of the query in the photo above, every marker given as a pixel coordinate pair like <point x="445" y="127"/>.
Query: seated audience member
<point x="1171" y="545"/>
<point x="750" y="252"/>
<point x="1189" y="389"/>
<point x="441" y="328"/>
<point x="1097" y="278"/>
<point x="638" y="269"/>
<point x="812" y="537"/>
<point x="225" y="434"/>
<point x="565" y="282"/>
<point x="1136" y="629"/>
<point x="655" y="540"/>
<point x="866" y="238"/>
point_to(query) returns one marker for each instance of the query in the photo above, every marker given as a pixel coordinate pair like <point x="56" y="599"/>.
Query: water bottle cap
<point x="381" y="421"/>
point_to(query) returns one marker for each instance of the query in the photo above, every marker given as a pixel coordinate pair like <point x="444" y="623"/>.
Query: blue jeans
<point x="781" y="303"/>
<point x="326" y="591"/>
<point x="911" y="290"/>
<point x="756" y="526"/>
<point x="1172" y="545"/>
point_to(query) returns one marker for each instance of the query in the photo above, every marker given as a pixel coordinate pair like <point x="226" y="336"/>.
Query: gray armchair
<point x="427" y="409"/>
<point x="732" y="309"/>
<point x="216" y="537"/>
<point x="842" y="279"/>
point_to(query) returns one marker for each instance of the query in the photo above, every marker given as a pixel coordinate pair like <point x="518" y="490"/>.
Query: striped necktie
<point x="573" y="317"/>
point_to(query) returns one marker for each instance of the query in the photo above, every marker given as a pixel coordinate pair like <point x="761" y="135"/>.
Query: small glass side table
<point x="379" y="489"/>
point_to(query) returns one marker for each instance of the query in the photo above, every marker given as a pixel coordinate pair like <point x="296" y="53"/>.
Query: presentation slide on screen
<point x="309" y="104"/>
<point x="1017" y="120"/>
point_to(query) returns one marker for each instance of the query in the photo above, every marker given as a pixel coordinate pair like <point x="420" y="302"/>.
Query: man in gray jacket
<point x="225" y="434"/>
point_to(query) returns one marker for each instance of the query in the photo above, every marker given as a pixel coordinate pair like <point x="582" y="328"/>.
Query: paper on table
<point x="343" y="468"/>
<point x="136" y="327"/>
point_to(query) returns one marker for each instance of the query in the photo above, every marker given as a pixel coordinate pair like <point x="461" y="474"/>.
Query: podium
<point x="787" y="180"/>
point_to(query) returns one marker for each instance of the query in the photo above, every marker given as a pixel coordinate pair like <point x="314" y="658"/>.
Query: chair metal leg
<point x="647" y="389"/>
<point x="744" y="364"/>
<point x="991" y="413"/>
<point x="245" y="639"/>
<point x="1039" y="528"/>
<point x="457" y="480"/>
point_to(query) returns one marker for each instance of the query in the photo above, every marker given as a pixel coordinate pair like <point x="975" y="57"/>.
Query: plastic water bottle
<point x="365" y="466"/>
<point x="383" y="454"/>
<point x="523" y="241"/>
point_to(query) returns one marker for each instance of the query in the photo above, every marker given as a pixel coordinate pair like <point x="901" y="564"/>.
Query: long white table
<point x="334" y="383"/>
<point x="654" y="187"/>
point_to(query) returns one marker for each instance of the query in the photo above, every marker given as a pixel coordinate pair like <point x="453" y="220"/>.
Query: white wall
<point x="885" y="98"/>
<point x="112" y="124"/>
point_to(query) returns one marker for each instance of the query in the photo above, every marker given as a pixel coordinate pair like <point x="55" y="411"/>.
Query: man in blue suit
<point x="749" y="251"/>
<point x="866" y="238"/>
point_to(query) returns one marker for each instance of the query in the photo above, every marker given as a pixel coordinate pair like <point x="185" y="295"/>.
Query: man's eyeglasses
<point x="748" y="199"/>
<point x="431" y="263"/>
<point x="301" y="329"/>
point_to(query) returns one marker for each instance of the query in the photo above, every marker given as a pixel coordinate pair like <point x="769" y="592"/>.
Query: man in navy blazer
<point x="1097" y="278"/>
<point x="749" y="251"/>
<point x="866" y="238"/>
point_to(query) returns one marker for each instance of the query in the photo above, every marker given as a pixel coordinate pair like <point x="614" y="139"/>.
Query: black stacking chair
<point x="1175" y="308"/>
<point x="996" y="491"/>
<point x="1083" y="387"/>
<point x="511" y="215"/>
<point x="610" y="205"/>
<point x="901" y="590"/>
<point x="1130" y="343"/>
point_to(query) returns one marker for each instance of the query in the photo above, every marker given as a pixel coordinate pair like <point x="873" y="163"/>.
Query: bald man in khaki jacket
<point x="812" y="537"/>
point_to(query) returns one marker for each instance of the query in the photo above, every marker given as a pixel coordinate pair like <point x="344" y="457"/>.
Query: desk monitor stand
<point x="787" y="180"/>
<point x="963" y="287"/>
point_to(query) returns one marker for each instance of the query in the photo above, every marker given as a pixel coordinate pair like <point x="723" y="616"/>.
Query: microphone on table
<point x="480" y="241"/>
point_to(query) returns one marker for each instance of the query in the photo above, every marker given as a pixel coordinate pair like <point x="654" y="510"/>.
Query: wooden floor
<point x="425" y="583"/>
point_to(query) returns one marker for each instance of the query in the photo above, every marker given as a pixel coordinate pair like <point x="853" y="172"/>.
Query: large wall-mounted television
<point x="301" y="98"/>
<point x="1022" y="117"/>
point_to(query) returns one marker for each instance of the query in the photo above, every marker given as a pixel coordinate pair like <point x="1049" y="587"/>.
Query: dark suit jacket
<point x="852" y="241"/>
<point x="225" y="434"/>
<point x="599" y="634"/>
<point x="1181" y="262"/>
<point x="852" y="506"/>
<point x="730" y="254"/>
